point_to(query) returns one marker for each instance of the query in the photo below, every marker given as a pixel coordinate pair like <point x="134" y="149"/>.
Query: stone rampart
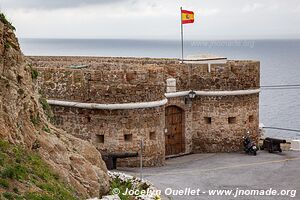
<point x="207" y="123"/>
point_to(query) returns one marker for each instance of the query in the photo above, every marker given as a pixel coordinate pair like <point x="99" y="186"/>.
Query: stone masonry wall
<point x="211" y="124"/>
<point x="210" y="128"/>
<point x="219" y="123"/>
<point x="234" y="75"/>
<point x="115" y="131"/>
<point x="105" y="86"/>
<point x="118" y="131"/>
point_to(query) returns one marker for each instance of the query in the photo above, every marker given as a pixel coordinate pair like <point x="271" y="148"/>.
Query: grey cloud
<point x="55" y="4"/>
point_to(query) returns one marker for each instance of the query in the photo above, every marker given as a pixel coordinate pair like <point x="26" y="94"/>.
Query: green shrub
<point x="16" y="171"/>
<point x="16" y="190"/>
<point x="35" y="119"/>
<point x="1" y="160"/>
<point x="8" y="195"/>
<point x="47" y="109"/>
<point x="44" y="103"/>
<point x="46" y="128"/>
<point x="4" y="183"/>
<point x="34" y="74"/>
<point x="6" y="45"/>
<point x="5" y="21"/>
<point x="4" y="145"/>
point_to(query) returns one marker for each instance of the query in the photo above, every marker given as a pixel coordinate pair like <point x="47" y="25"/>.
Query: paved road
<point x="227" y="171"/>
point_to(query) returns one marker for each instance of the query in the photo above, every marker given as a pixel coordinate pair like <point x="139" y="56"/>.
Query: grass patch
<point x="35" y="119"/>
<point x="46" y="128"/>
<point x="47" y="110"/>
<point x="34" y="74"/>
<point x="33" y="71"/>
<point x="4" y="183"/>
<point x="6" y="45"/>
<point x="8" y="195"/>
<point x="20" y="166"/>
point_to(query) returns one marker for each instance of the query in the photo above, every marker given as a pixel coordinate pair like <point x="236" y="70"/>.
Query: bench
<point x="110" y="159"/>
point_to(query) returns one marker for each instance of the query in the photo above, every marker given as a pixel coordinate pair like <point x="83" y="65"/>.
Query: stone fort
<point x="201" y="105"/>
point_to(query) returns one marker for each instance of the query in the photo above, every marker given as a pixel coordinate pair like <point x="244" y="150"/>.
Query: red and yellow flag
<point x="187" y="17"/>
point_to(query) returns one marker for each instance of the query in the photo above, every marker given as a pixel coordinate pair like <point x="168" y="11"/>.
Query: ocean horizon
<point x="280" y="65"/>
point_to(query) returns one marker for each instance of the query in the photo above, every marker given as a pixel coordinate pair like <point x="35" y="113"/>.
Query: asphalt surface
<point x="227" y="171"/>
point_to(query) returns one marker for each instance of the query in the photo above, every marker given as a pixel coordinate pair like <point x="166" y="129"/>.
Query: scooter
<point x="249" y="146"/>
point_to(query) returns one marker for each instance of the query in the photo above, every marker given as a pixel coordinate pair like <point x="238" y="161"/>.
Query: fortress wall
<point x="218" y="135"/>
<point x="234" y="75"/>
<point x="118" y="131"/>
<point x="97" y="63"/>
<point x="206" y="124"/>
<point x="111" y="131"/>
<point x="105" y="86"/>
<point x="219" y="123"/>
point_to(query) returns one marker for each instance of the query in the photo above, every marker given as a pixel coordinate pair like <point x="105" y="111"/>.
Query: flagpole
<point x="181" y="36"/>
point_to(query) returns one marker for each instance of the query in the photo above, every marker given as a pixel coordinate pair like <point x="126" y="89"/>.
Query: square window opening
<point x="128" y="137"/>
<point x="251" y="118"/>
<point x="231" y="120"/>
<point x="88" y="118"/>
<point x="207" y="120"/>
<point x="152" y="135"/>
<point x="100" y="139"/>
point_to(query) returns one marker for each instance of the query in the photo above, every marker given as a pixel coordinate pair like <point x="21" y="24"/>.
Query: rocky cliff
<point x="23" y="122"/>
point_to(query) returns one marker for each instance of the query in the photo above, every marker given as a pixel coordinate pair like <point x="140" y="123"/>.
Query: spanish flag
<point x="187" y="17"/>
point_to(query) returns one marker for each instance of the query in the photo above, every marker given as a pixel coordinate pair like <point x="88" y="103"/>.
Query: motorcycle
<point x="249" y="146"/>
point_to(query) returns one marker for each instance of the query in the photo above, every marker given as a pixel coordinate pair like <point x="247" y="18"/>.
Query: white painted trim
<point x="227" y="93"/>
<point x="220" y="61"/>
<point x="214" y="93"/>
<point x="177" y="94"/>
<point x="152" y="104"/>
<point x="124" y="106"/>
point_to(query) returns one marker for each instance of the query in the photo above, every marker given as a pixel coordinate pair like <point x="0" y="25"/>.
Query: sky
<point x="154" y="19"/>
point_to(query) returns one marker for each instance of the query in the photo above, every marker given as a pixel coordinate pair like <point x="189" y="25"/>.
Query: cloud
<point x="252" y="7"/>
<point x="55" y="4"/>
<point x="210" y="12"/>
<point x="153" y="18"/>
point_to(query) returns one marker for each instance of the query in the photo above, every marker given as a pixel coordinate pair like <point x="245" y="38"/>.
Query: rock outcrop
<point x="23" y="122"/>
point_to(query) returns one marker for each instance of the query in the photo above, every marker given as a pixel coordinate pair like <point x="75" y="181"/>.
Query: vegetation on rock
<point x="34" y="72"/>
<point x="24" y="118"/>
<point x="47" y="109"/>
<point x="5" y="21"/>
<point x="24" y="175"/>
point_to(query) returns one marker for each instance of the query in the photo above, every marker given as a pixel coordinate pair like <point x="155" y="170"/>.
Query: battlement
<point x="121" y="80"/>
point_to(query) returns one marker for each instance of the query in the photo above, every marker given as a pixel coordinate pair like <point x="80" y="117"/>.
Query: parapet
<point x="128" y="80"/>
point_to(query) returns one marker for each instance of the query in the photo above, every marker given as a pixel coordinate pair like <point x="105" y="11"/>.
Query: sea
<point x="280" y="65"/>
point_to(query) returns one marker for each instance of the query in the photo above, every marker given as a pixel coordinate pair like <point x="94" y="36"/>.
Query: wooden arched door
<point x="174" y="135"/>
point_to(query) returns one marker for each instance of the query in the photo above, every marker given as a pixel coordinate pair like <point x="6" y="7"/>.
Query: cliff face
<point x="23" y="122"/>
